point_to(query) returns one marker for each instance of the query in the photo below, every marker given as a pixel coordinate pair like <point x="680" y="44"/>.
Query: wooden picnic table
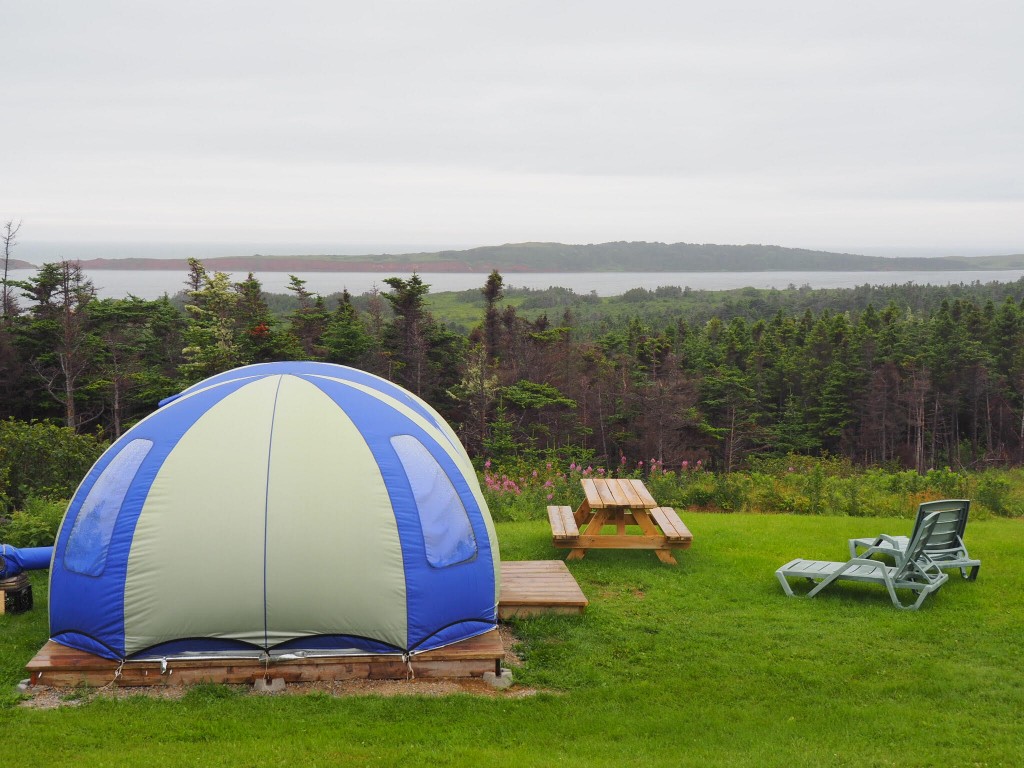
<point x="618" y="502"/>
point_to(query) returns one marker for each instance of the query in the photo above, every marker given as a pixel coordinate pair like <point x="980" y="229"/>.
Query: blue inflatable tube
<point x="13" y="560"/>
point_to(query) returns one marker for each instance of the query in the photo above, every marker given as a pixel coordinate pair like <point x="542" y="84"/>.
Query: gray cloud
<point x="808" y="123"/>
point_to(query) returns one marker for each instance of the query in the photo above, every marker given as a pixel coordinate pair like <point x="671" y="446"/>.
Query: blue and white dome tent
<point x="278" y="508"/>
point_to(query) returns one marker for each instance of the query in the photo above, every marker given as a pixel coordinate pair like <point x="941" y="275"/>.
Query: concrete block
<point x="502" y="681"/>
<point x="262" y="685"/>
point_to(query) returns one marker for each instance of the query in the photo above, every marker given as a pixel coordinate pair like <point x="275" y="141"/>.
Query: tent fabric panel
<point x="342" y="372"/>
<point x="329" y="511"/>
<point x="196" y="562"/>
<point x="435" y="597"/>
<point x="438" y="429"/>
<point x="86" y="643"/>
<point x="342" y="645"/>
<point x="93" y="606"/>
<point x="453" y="634"/>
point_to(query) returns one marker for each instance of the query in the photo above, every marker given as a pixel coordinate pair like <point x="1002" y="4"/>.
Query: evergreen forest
<point x="904" y="377"/>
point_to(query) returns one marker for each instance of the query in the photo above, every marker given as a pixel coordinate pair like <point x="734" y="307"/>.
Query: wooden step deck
<point x="60" y="666"/>
<point x="532" y="587"/>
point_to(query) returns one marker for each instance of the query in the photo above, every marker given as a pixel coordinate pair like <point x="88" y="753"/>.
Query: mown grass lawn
<point x="707" y="663"/>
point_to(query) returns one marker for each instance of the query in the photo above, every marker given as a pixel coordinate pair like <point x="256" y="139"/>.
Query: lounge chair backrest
<point x="922" y="533"/>
<point x="949" y="531"/>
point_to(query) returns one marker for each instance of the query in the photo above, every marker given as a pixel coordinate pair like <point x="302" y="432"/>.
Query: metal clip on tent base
<point x="407" y="658"/>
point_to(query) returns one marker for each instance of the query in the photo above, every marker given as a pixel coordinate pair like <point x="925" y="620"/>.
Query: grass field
<point x="707" y="663"/>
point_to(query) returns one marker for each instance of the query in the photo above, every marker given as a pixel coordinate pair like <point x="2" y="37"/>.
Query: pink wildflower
<point x="550" y="496"/>
<point x="487" y="464"/>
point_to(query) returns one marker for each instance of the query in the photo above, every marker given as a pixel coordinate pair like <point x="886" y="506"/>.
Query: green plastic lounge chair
<point x="912" y="570"/>
<point x="945" y="547"/>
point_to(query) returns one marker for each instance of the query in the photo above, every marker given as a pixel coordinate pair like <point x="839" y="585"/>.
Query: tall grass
<point x="797" y="485"/>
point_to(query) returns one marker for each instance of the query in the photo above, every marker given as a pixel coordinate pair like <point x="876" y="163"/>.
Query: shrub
<point x="43" y="460"/>
<point x="993" y="492"/>
<point x="522" y="488"/>
<point x="34" y="526"/>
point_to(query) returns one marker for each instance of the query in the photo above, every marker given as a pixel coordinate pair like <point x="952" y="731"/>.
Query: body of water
<point x="153" y="284"/>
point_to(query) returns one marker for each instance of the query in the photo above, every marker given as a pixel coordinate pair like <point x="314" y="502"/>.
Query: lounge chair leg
<point x="785" y="583"/>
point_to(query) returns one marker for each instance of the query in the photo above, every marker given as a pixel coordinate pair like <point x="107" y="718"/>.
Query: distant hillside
<point x="603" y="257"/>
<point x="19" y="264"/>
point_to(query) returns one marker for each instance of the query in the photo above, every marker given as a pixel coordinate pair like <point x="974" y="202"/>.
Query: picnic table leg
<point x="597" y="521"/>
<point x="582" y="513"/>
<point x="620" y="522"/>
<point x="643" y="519"/>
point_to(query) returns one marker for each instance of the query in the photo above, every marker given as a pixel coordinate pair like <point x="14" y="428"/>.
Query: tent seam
<point x="266" y="513"/>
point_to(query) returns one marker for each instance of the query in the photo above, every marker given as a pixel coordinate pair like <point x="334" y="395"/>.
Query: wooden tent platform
<point x="532" y="587"/>
<point x="528" y="588"/>
<point x="60" y="666"/>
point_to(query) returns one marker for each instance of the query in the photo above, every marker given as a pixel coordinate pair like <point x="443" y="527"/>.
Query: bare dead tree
<point x="9" y="236"/>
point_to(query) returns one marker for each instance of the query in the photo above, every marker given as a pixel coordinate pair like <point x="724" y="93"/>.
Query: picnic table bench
<point x="618" y="502"/>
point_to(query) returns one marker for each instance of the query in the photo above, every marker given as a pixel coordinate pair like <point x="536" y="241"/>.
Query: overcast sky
<point x="834" y="125"/>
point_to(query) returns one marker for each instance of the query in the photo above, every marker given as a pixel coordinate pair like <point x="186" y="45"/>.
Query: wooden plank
<point x="597" y="522"/>
<point x="629" y="493"/>
<point x="666" y="557"/>
<point x="643" y="520"/>
<point x="617" y="489"/>
<point x="529" y="588"/>
<point x="643" y="493"/>
<point x="563" y="524"/>
<point x="670" y="523"/>
<point x="607" y="497"/>
<point x="583" y="513"/>
<point x="555" y="519"/>
<point x="614" y="541"/>
<point x="663" y="520"/>
<point x="594" y="498"/>
<point x="61" y="666"/>
<point x="569" y="522"/>
<point x="557" y="524"/>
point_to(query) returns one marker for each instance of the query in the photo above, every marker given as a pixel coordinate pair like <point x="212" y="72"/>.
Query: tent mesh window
<point x="86" y="551"/>
<point x="447" y="531"/>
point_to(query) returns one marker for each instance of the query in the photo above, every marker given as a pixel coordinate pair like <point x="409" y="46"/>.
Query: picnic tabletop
<point x="617" y="503"/>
